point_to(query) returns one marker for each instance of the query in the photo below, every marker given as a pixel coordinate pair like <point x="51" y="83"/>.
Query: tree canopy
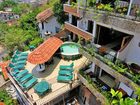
<point x="4" y="97"/>
<point x="7" y="3"/>
<point x="25" y="32"/>
<point x="59" y="13"/>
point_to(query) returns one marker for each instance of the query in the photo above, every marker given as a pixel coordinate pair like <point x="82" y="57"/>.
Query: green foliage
<point x="7" y="3"/>
<point x="21" y="8"/>
<point x="6" y="98"/>
<point x="24" y="33"/>
<point x="74" y="5"/>
<point x="135" y="78"/>
<point x="36" y="41"/>
<point x="106" y="7"/>
<point x="127" y="101"/>
<point x="59" y="13"/>
<point x="91" y="2"/>
<point x="116" y="97"/>
<point x="138" y="93"/>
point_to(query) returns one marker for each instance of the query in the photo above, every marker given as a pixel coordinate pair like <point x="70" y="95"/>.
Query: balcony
<point x="94" y="88"/>
<point x="71" y="10"/>
<point x="78" y="31"/>
<point x="116" y="68"/>
<point x="111" y="18"/>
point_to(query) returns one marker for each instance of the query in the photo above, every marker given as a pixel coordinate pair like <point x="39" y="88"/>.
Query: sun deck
<point x="50" y="75"/>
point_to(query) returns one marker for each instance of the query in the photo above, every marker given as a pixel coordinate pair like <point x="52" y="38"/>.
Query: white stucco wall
<point x="50" y="26"/>
<point x="123" y="54"/>
<point x="136" y="2"/>
<point x="83" y="24"/>
<point x="133" y="54"/>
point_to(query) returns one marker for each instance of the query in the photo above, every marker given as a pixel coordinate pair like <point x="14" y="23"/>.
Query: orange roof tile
<point x="4" y="71"/>
<point x="45" y="51"/>
<point x="1" y="103"/>
<point x="42" y="16"/>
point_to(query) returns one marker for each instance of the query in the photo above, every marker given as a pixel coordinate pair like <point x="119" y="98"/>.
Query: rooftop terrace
<point x="50" y="75"/>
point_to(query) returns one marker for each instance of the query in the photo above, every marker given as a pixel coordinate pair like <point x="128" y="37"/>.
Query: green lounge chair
<point x="22" y="73"/>
<point x="25" y="78"/>
<point x="15" y="56"/>
<point x="21" y="62"/>
<point x="66" y="66"/>
<point x="64" y="78"/>
<point x="17" y="52"/>
<point x="23" y="54"/>
<point x="13" y="60"/>
<point x="62" y="67"/>
<point x="22" y="58"/>
<point x="14" y="72"/>
<point x="65" y="72"/>
<point x="21" y="66"/>
<point x="11" y="65"/>
<point x="30" y="83"/>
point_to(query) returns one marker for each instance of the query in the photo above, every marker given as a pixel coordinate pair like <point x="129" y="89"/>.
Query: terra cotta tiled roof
<point x="45" y="51"/>
<point x="3" y="66"/>
<point x="42" y="16"/>
<point x="1" y="103"/>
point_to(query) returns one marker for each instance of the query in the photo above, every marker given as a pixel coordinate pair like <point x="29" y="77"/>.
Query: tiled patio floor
<point x="51" y="73"/>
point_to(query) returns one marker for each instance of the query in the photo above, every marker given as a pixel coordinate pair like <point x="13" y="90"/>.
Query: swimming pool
<point x="70" y="50"/>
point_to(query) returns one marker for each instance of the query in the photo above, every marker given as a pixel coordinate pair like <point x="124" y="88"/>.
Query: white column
<point x="97" y="1"/>
<point x="74" y="36"/>
<point x="129" y="8"/>
<point x="69" y="2"/>
<point x="78" y="23"/>
<point x="70" y="18"/>
<point x="93" y="67"/>
<point x="94" y="30"/>
<point x="100" y="72"/>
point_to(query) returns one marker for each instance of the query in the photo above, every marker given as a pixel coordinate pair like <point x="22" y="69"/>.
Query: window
<point x="42" y="25"/>
<point x="57" y="29"/>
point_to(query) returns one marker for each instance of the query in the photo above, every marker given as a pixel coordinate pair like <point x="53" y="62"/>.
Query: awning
<point x="3" y="66"/>
<point x="45" y="51"/>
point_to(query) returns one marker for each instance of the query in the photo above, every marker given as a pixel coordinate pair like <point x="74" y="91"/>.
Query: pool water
<point x="69" y="49"/>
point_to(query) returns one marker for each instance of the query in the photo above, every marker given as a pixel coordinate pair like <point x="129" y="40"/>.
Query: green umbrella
<point x="42" y="87"/>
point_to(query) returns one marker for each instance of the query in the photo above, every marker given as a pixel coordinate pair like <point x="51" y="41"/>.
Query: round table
<point x="42" y="87"/>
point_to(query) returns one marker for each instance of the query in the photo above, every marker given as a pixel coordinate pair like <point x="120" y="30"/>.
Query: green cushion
<point x="30" y="83"/>
<point x="25" y="78"/>
<point x="65" y="72"/>
<point x="22" y="73"/>
<point x="64" y="78"/>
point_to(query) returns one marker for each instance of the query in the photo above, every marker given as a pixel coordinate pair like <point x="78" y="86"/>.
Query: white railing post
<point x="129" y="8"/>
<point x="94" y="31"/>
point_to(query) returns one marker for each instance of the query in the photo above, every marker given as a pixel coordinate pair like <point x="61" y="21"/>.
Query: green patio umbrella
<point x="42" y="87"/>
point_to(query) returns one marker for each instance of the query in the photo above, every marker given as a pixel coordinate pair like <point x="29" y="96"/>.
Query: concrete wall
<point x="49" y="26"/>
<point x="133" y="55"/>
